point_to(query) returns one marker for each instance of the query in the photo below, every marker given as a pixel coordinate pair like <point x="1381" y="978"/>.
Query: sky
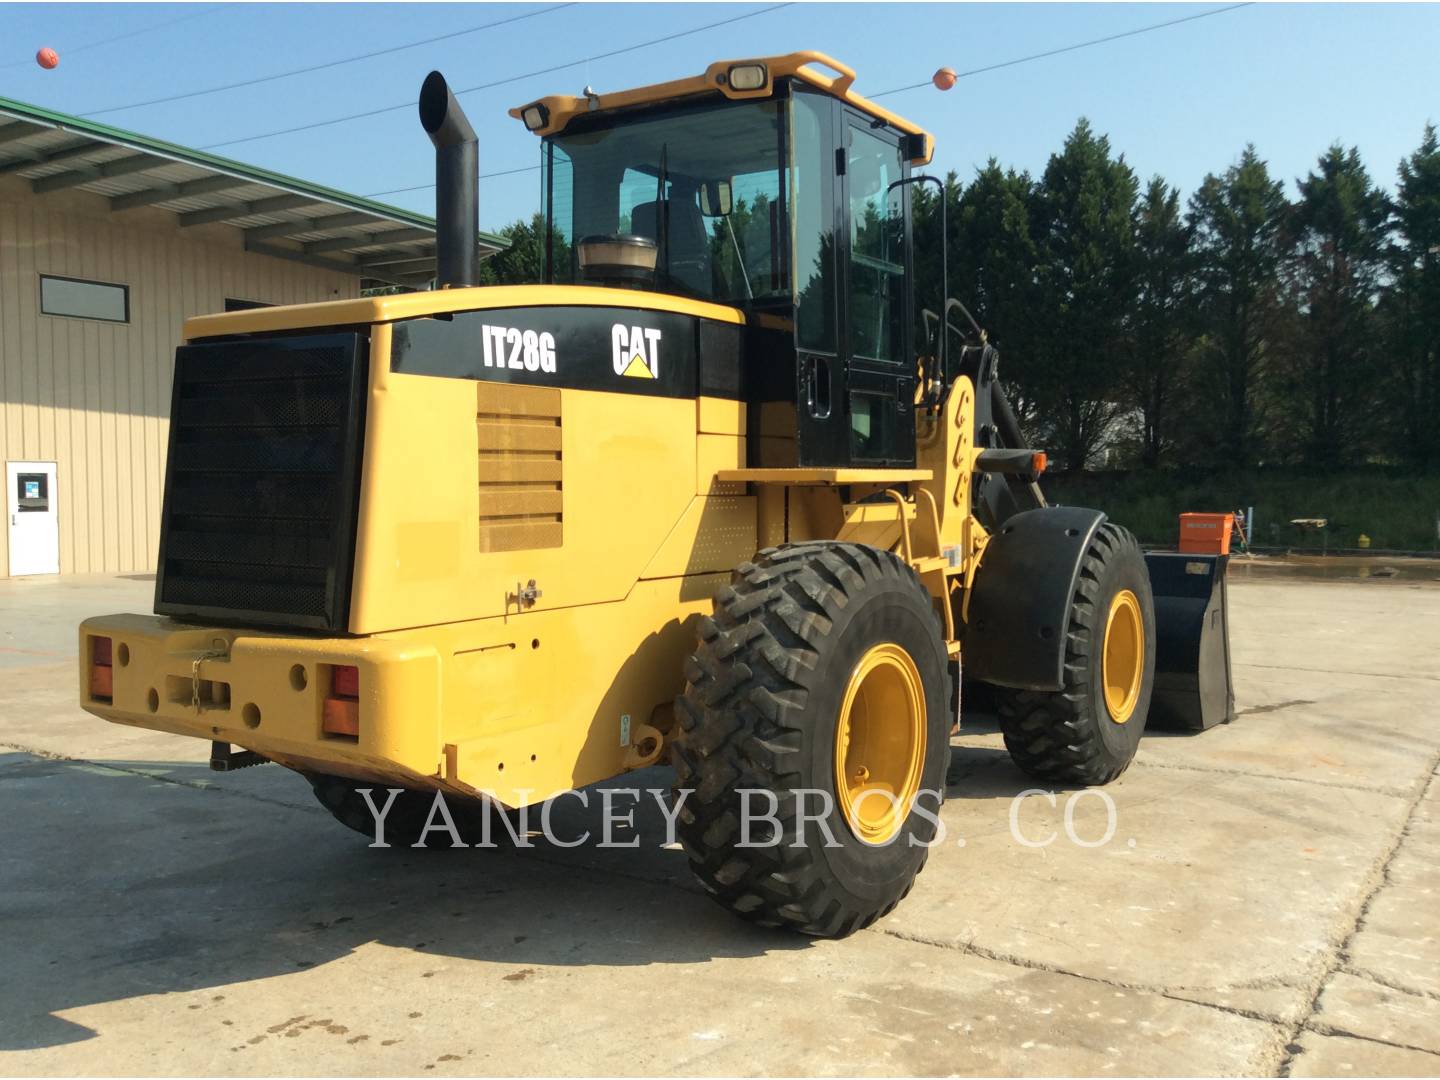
<point x="1181" y="101"/>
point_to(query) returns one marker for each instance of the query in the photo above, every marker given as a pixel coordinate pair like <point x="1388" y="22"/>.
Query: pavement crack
<point x="1170" y="993"/>
<point x="1375" y="881"/>
<point x="1342" y="671"/>
<point x="1331" y="1030"/>
<point x="1151" y="763"/>
<point x="986" y="953"/>
<point x="1234" y="1010"/>
<point x="1349" y="968"/>
<point x="193" y="785"/>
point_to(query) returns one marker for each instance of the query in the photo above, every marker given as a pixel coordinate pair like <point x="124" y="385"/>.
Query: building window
<point x="79" y="299"/>
<point x="232" y="304"/>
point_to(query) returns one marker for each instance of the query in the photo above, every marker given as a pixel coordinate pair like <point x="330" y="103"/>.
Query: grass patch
<point x="1396" y="510"/>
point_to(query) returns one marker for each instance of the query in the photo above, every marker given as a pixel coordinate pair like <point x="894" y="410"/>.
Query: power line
<point x="506" y="81"/>
<point x="424" y="187"/>
<point x="327" y="65"/>
<point x="71" y="50"/>
<point x="1070" y="48"/>
<point x="927" y="82"/>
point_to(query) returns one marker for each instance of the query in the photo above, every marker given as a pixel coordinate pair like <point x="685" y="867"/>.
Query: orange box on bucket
<point x="1206" y="534"/>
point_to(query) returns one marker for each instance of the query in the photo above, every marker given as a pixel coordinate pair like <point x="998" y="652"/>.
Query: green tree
<point x="523" y="262"/>
<point x="925" y="218"/>
<point x="1085" y="277"/>
<point x="1164" y="320"/>
<point x="730" y="237"/>
<point x="1237" y="220"/>
<point x="1411" y="307"/>
<point x="1339" y="228"/>
<point x="993" y="265"/>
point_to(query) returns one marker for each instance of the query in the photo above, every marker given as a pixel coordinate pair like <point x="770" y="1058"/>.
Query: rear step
<point x="223" y="758"/>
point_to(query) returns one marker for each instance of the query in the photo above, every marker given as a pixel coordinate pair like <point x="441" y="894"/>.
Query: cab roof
<point x="556" y="112"/>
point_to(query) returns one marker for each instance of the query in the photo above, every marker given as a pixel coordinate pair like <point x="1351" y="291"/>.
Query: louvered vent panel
<point x="521" y="468"/>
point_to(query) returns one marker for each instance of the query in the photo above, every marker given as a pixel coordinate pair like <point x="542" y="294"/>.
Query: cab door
<point x="817" y="205"/>
<point x="854" y="379"/>
<point x="877" y="352"/>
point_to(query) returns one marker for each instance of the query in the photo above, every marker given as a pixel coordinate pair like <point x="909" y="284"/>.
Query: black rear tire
<point x="764" y="694"/>
<point x="1070" y="736"/>
<point x="405" y="821"/>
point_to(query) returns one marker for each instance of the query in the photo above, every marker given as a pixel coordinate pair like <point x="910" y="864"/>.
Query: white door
<point x="30" y="503"/>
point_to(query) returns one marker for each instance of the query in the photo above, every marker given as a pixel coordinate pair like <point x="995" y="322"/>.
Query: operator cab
<point x="770" y="187"/>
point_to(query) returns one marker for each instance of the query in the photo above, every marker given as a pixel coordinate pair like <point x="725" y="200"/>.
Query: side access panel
<point x="1020" y="603"/>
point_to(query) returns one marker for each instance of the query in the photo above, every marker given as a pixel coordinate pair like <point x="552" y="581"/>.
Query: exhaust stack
<point x="457" y="196"/>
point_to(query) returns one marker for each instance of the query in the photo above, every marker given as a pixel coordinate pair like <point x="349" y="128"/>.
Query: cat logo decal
<point x="636" y="351"/>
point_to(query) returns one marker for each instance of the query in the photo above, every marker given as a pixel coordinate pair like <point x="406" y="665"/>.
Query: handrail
<point x="811" y="56"/>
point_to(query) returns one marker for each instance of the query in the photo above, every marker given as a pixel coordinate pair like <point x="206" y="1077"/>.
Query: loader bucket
<point x="1193" y="687"/>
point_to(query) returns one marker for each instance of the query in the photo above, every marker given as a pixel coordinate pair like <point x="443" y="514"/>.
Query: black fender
<point x="1019" y="605"/>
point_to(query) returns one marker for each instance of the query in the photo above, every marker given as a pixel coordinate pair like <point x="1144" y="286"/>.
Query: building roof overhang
<point x="277" y="215"/>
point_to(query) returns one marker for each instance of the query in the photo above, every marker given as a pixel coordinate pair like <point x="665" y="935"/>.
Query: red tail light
<point x="342" y="706"/>
<point x="345" y="681"/>
<point x="102" y="681"/>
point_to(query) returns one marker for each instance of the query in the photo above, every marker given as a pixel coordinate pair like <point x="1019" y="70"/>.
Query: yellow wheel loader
<point x="715" y="492"/>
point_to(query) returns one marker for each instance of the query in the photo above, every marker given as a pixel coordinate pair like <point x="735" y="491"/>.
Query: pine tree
<point x="1164" y="321"/>
<point x="523" y="262"/>
<point x="992" y="271"/>
<point x="925" y="218"/>
<point x="1339" y="227"/>
<point x="1412" y="305"/>
<point x="1086" y="241"/>
<point x="1237" y="221"/>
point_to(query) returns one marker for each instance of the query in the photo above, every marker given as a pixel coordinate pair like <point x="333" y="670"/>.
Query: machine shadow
<point x="987" y="772"/>
<point x="980" y="772"/>
<point x="168" y="889"/>
<point x="167" y="892"/>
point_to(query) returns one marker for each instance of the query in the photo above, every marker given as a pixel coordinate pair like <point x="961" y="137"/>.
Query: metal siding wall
<point x="95" y="397"/>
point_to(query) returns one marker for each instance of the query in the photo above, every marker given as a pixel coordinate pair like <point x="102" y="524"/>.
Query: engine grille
<point x="262" y="482"/>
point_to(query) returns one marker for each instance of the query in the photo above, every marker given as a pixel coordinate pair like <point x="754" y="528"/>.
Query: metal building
<point x="109" y="240"/>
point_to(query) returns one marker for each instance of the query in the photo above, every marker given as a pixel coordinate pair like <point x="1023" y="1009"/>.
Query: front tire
<point x="822" y="673"/>
<point x="1087" y="732"/>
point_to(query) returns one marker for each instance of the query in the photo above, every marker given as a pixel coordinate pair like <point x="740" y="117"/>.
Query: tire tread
<point x="1053" y="735"/>
<point x="741" y="726"/>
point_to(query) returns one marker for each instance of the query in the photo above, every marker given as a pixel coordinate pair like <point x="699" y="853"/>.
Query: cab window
<point x="705" y="183"/>
<point x="877" y="246"/>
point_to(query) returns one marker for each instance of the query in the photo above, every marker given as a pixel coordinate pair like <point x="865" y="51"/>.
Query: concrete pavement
<point x="1267" y="902"/>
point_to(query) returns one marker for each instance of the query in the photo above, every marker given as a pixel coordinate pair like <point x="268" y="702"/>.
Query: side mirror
<point x="715" y="198"/>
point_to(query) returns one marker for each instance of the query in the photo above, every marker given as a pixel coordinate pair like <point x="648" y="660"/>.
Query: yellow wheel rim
<point x="880" y="743"/>
<point x="1122" y="664"/>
